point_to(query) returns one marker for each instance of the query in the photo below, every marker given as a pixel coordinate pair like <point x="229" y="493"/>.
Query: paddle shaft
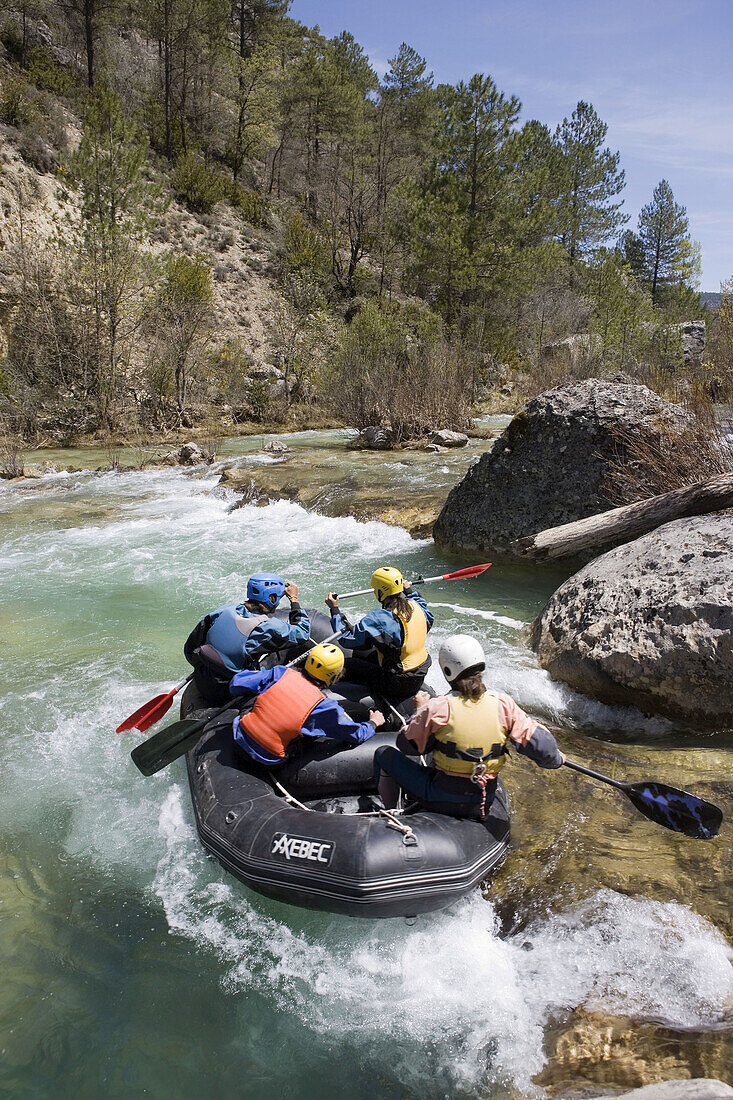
<point x="596" y="775"/>
<point x="290" y="664"/>
<point x="473" y="571"/>
<point x="168" y="744"/>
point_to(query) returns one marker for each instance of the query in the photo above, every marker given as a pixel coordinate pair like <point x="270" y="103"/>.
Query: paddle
<point x="674" y="809"/>
<point x="470" y="571"/>
<point x="168" y="744"/>
<point x="149" y="713"/>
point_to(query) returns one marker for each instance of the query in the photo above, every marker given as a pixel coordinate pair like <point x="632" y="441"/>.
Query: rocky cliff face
<point x="551" y="465"/>
<point x="650" y="624"/>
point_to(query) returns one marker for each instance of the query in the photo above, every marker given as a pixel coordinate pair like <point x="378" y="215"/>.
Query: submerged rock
<point x="553" y="464"/>
<point x="698" y="1088"/>
<point x="650" y="624"/>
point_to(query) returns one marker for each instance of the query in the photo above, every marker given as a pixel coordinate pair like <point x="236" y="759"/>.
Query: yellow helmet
<point x="325" y="663"/>
<point x="387" y="581"/>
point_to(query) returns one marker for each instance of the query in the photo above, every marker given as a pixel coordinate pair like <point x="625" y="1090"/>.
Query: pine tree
<point x="591" y="179"/>
<point x="664" y="242"/>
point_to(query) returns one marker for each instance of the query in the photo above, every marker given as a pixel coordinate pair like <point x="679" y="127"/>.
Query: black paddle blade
<point x="677" y="810"/>
<point x="167" y="745"/>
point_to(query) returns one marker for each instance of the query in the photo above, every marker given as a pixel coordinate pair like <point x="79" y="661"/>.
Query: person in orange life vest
<point x="390" y="656"/>
<point x="289" y="704"/>
<point x="467" y="732"/>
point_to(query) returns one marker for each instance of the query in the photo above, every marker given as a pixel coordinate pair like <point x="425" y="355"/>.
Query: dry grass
<point x="672" y="458"/>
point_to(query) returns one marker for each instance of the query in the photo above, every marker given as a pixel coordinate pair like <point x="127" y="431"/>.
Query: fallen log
<point x="628" y="522"/>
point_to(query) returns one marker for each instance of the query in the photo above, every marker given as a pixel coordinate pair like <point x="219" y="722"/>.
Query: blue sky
<point x="659" y="72"/>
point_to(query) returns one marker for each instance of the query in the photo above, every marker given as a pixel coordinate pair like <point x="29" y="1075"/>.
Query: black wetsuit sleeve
<point x="541" y="749"/>
<point x="296" y="613"/>
<point x="197" y="638"/>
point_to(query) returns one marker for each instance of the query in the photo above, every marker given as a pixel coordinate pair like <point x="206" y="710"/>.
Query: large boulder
<point x="650" y="624"/>
<point x="552" y="464"/>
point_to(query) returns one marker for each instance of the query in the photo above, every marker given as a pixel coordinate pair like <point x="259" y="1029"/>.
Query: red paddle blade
<point x="148" y="714"/>
<point x="471" y="571"/>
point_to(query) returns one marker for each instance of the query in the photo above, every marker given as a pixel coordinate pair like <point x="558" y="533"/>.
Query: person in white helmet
<point x="468" y="733"/>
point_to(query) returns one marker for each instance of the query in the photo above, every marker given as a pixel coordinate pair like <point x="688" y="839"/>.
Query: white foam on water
<point x="450" y="1003"/>
<point x="482" y="613"/>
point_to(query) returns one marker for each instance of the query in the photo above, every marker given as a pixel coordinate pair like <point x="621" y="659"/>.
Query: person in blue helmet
<point x="235" y="637"/>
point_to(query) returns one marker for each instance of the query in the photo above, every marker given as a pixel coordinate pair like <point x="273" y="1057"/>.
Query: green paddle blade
<point x="674" y="809"/>
<point x="167" y="745"/>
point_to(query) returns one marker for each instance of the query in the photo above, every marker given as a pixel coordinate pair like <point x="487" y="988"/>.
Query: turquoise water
<point x="133" y="965"/>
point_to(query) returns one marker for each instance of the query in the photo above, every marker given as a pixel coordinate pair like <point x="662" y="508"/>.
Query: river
<point x="133" y="965"/>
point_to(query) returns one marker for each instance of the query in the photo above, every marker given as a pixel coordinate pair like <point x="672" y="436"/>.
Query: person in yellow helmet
<point x="468" y="733"/>
<point x="388" y="644"/>
<point x="288" y="704"/>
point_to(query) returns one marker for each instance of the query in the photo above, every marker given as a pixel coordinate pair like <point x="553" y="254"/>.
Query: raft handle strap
<point x="408" y="836"/>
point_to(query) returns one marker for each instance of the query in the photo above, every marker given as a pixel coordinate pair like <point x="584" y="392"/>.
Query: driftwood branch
<point x="628" y="522"/>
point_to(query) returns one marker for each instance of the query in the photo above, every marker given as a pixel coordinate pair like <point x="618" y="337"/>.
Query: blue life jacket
<point x="228" y="634"/>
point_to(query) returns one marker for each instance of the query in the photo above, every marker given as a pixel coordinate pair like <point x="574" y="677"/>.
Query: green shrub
<point x="250" y="204"/>
<point x="306" y="252"/>
<point x="16" y="101"/>
<point x="44" y="71"/>
<point x="12" y="40"/>
<point x="200" y="187"/>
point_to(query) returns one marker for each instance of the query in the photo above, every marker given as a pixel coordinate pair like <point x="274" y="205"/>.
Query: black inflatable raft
<point x="333" y="854"/>
<point x="334" y="851"/>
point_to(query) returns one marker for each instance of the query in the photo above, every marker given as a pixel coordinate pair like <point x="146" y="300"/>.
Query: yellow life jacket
<point x="414" y="632"/>
<point x="472" y="731"/>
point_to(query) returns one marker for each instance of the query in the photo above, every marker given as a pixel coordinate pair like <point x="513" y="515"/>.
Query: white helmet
<point x="461" y="653"/>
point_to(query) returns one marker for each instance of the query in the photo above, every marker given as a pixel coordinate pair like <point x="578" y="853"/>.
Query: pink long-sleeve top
<point x="530" y="738"/>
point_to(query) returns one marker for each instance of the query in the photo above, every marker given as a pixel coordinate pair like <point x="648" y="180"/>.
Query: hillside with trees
<point x="214" y="214"/>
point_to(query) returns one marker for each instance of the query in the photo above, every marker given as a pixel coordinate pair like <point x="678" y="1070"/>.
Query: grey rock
<point x="699" y="1088"/>
<point x="277" y="389"/>
<point x="692" y="335"/>
<point x="189" y="454"/>
<point x="650" y="624"/>
<point x="35" y="470"/>
<point x="265" y="372"/>
<point x="277" y="447"/>
<point x="551" y="465"/>
<point x="376" y="438"/>
<point x="582" y="347"/>
<point x="445" y="438"/>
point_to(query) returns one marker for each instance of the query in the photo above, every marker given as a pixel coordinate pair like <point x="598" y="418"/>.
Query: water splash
<point x="472" y="1004"/>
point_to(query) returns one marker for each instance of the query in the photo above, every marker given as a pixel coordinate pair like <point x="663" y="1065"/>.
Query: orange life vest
<point x="279" y="712"/>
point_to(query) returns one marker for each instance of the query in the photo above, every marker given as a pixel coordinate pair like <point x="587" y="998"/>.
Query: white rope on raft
<point x="392" y="820"/>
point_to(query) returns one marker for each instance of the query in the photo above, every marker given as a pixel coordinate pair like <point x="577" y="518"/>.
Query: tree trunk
<point x="628" y="522"/>
<point x="89" y="36"/>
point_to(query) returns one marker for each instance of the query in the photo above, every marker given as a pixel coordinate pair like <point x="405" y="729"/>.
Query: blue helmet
<point x="266" y="588"/>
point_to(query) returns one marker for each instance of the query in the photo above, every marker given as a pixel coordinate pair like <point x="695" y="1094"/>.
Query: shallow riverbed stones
<point x="552" y="464"/>
<point x="699" y="1088"/>
<point x="650" y="624"/>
